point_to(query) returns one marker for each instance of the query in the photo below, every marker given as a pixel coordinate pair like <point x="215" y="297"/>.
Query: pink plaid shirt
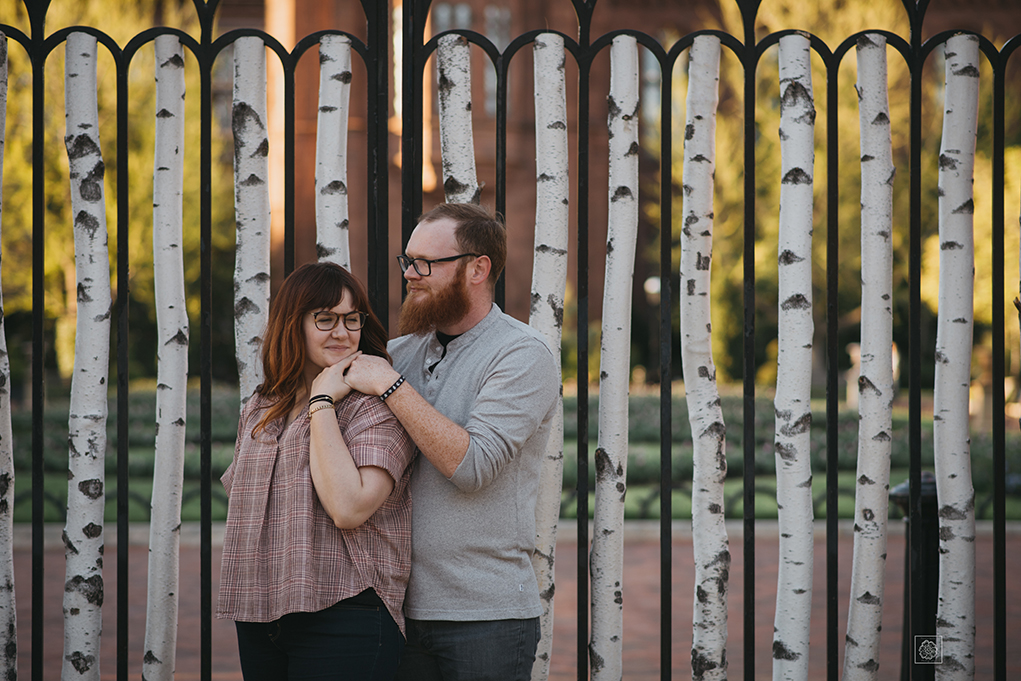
<point x="281" y="551"/>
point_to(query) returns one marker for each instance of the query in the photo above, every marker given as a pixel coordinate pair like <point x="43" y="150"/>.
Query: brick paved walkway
<point x="641" y="606"/>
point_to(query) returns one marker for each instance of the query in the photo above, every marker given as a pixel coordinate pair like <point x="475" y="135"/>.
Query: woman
<point x="317" y="545"/>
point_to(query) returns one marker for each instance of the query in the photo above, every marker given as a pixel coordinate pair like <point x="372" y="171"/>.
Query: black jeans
<point x="495" y="650"/>
<point x="354" y="640"/>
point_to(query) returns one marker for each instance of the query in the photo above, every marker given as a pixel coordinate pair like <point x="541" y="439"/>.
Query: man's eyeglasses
<point x="327" y="321"/>
<point x="425" y="267"/>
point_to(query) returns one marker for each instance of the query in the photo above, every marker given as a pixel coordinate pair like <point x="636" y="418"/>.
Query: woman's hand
<point x="331" y="380"/>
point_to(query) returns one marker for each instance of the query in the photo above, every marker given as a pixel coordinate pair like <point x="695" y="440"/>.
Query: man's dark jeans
<point x="496" y="650"/>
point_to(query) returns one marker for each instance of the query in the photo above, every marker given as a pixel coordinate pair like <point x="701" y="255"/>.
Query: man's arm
<point x="441" y="440"/>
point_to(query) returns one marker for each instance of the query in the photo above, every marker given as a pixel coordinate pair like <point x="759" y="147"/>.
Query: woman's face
<point x="325" y="348"/>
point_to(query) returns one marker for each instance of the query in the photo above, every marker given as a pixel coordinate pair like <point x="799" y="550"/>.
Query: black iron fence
<point x="585" y="50"/>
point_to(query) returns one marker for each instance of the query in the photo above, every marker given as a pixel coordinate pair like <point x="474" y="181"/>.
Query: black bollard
<point x="925" y="579"/>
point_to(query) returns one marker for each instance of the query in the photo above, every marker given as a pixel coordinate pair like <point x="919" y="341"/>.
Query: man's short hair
<point x="478" y="231"/>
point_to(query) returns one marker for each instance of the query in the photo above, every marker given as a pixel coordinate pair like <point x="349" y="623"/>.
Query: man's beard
<point x="438" y="309"/>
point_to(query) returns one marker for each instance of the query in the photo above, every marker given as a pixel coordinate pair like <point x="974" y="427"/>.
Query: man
<point x="476" y="390"/>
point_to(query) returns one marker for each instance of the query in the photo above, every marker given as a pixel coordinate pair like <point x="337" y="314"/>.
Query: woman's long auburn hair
<point x="311" y="287"/>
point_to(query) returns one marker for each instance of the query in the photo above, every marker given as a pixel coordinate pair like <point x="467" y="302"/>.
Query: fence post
<point x="927" y="579"/>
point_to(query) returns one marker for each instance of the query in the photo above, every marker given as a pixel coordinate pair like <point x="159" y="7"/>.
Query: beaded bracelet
<point x="323" y="404"/>
<point x="391" y="389"/>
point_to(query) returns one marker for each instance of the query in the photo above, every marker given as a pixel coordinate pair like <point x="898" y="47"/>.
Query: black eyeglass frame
<point x="405" y="262"/>
<point x="348" y="318"/>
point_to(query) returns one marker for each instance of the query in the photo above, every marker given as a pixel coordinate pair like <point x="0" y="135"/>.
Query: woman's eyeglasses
<point x="327" y="321"/>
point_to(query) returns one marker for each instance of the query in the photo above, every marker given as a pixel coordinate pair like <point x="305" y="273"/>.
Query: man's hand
<point x="371" y="375"/>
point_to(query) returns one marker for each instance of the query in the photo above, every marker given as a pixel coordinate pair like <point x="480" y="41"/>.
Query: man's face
<point x="441" y="298"/>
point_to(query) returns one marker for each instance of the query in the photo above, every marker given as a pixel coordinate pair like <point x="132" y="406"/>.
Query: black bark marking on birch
<point x="868" y="514"/>
<point x="949" y="512"/>
<point x="782" y="652"/>
<point x="252" y="180"/>
<point x="865" y="41"/>
<point x="545" y="178"/>
<point x="90" y="588"/>
<point x="327" y="109"/>
<point x="788" y="257"/>
<point x="633" y="150"/>
<point x="69" y="546"/>
<point x="452" y="186"/>
<point x="881" y="119"/>
<point x="558" y="310"/>
<point x="243" y="115"/>
<point x="621" y="193"/>
<point x="796" y="176"/>
<point x="881" y="437"/>
<point x="544" y="248"/>
<point x="869" y="599"/>
<point x="179" y="338"/>
<point x="81" y="662"/>
<point x="618" y="597"/>
<point x="93" y="489"/>
<point x="163" y="113"/>
<point x="867" y="386"/>
<point x="92" y="530"/>
<point x="597" y="660"/>
<point x="611" y="104"/>
<point x="807" y="484"/>
<point x="702" y="262"/>
<point x="335" y="187"/>
<point x="850" y="641"/>
<point x="796" y="302"/>
<point x="700" y="664"/>
<point x="609" y="246"/>
<point x="87" y="222"/>
<point x="534" y="305"/>
<point x="175" y="61"/>
<point x="150" y="658"/>
<point x="557" y="125"/>
<point x="940" y="357"/>
<point x="715" y="508"/>
<point x="802" y="425"/>
<point x="946" y="533"/>
<point x="786" y="451"/>
<point x="699" y="158"/>
<point x="468" y="106"/>
<point x="966" y="208"/>
<point x="969" y="71"/>
<point x="866" y="158"/>
<point x="344" y="77"/>
<point x="261" y="151"/>
<point x="865" y="480"/>
<point x="604" y="466"/>
<point x="5" y="483"/>
<point x="690" y="287"/>
<point x="947" y="163"/>
<point x="703" y="372"/>
<point x="959" y="320"/>
<point x="243" y="307"/>
<point x="794" y="94"/>
<point x="80" y="146"/>
<point x="869" y="666"/>
<point x="689" y="132"/>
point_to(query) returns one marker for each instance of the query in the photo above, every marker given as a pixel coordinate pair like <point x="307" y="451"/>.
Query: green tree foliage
<point x="832" y="21"/>
<point x="121" y="21"/>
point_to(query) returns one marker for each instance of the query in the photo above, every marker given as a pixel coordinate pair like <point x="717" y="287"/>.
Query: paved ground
<point x="641" y="606"/>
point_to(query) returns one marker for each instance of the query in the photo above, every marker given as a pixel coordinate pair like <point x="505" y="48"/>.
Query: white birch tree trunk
<point x="793" y="407"/>
<point x="607" y="557"/>
<point x="331" y="150"/>
<point x="875" y="379"/>
<point x="955" y="613"/>
<point x="8" y="606"/>
<point x="83" y="533"/>
<point x="709" y="533"/>
<point x="457" y="146"/>
<point x="251" y="209"/>
<point x="161" y="608"/>
<point x="549" y="280"/>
